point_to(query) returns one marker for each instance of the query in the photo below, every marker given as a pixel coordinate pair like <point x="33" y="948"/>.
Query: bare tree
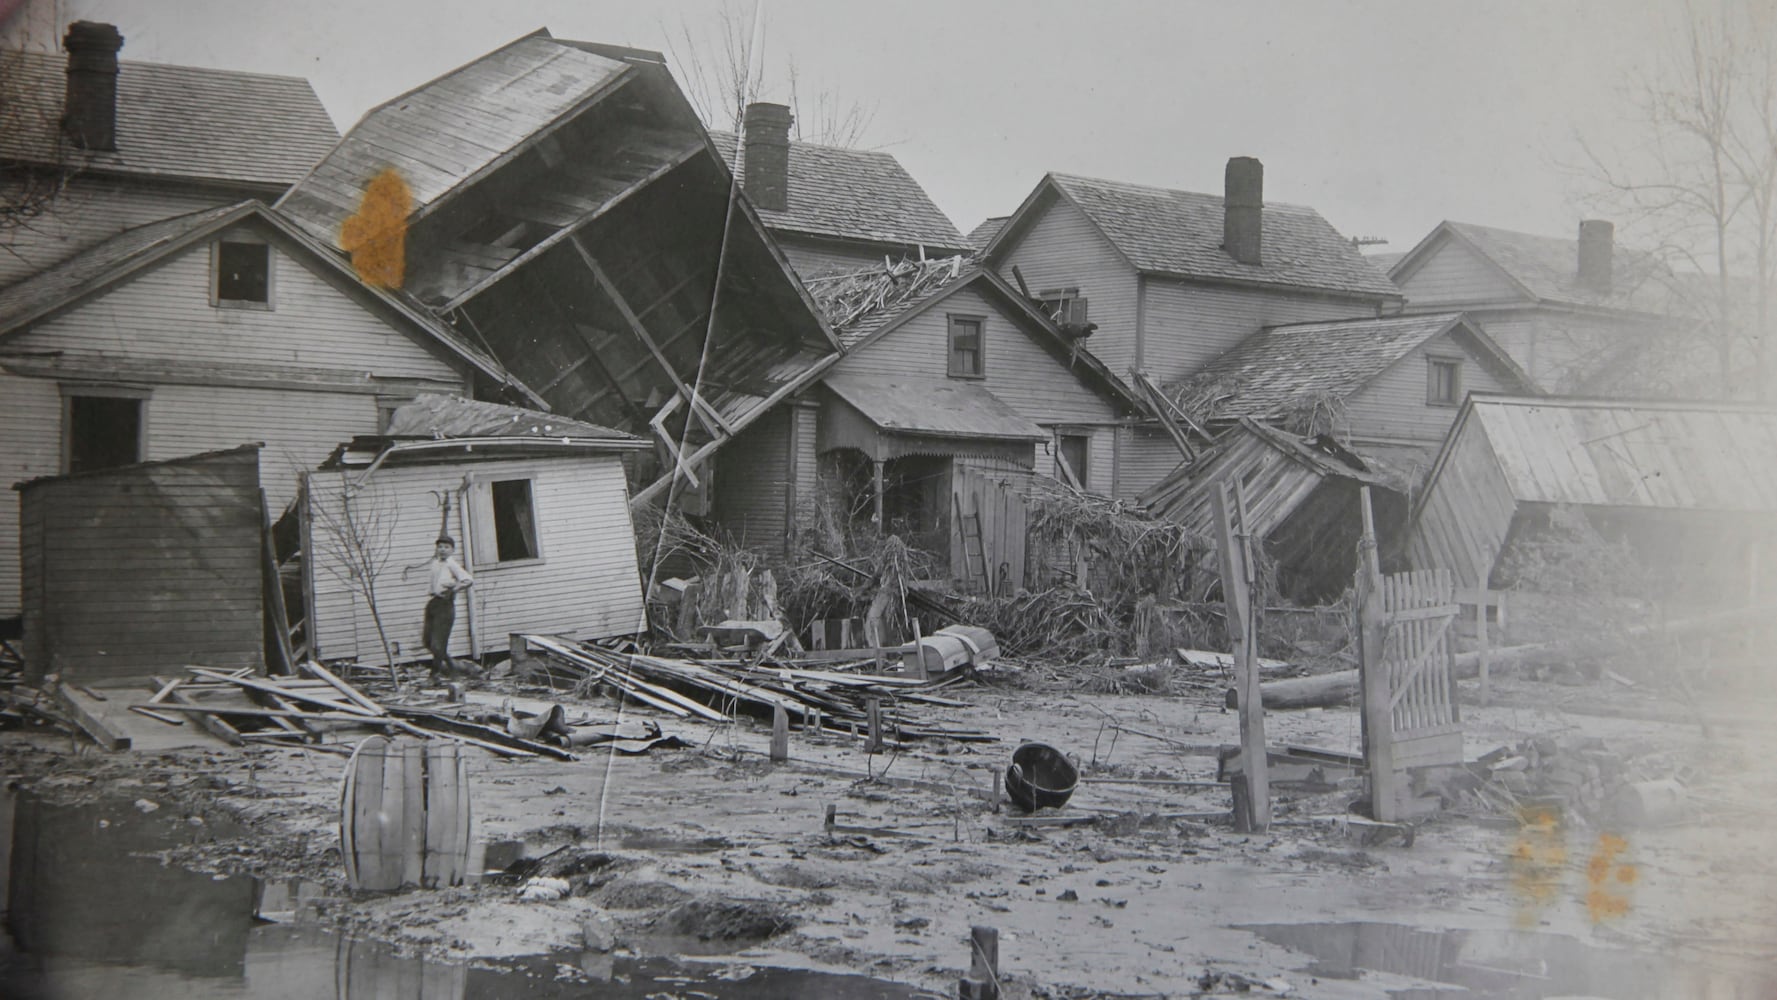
<point x="721" y="64"/>
<point x="36" y="171"/>
<point x="359" y="544"/>
<point x="1700" y="178"/>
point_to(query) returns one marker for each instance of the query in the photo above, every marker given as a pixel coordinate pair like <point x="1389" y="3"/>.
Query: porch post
<point x="876" y="465"/>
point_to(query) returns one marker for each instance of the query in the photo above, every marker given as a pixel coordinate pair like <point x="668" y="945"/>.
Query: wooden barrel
<point x="404" y="815"/>
<point x="1040" y="777"/>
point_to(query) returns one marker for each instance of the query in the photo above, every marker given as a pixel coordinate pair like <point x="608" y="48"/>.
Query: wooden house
<point x="558" y="203"/>
<point x="945" y="396"/>
<point x="1568" y="311"/>
<point x="142" y="569"/>
<point x="833" y="209"/>
<point x="536" y="501"/>
<point x="1168" y="280"/>
<point x="91" y="145"/>
<point x="1302" y="498"/>
<point x="203" y="332"/>
<point x="1387" y="388"/>
<point x="1689" y="486"/>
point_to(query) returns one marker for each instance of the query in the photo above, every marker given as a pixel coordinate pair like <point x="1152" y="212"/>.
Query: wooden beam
<point x="705" y="412"/>
<point x="177" y="702"/>
<point x="1234" y="539"/>
<point x="1378" y="719"/>
<point x="102" y="731"/>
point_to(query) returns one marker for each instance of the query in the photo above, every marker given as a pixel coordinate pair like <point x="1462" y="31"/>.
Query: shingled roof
<point x="179" y="122"/>
<point x="1547" y="268"/>
<point x="1277" y="367"/>
<point x="1179" y="234"/>
<point x="855" y="194"/>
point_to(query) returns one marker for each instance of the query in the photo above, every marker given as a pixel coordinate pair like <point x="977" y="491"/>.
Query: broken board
<point x="404" y="815"/>
<point x="104" y="714"/>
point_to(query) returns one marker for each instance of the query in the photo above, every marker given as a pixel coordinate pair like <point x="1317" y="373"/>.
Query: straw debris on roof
<point x="848" y="298"/>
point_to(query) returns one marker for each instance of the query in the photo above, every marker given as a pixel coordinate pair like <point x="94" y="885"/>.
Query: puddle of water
<point x="90" y="916"/>
<point x="1510" y="965"/>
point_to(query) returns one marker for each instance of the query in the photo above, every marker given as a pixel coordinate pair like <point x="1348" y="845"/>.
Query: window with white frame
<point x="1443" y="381"/>
<point x="241" y="275"/>
<point x="968" y="355"/>
<point x="103" y="427"/>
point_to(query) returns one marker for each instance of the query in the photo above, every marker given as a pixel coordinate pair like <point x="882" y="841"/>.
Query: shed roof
<point x="451" y="130"/>
<point x="1547" y="268"/>
<point x="934" y="408"/>
<point x="1179" y="234"/>
<point x="855" y="194"/>
<point x="1616" y="453"/>
<point x="1281" y="365"/>
<point x="180" y="122"/>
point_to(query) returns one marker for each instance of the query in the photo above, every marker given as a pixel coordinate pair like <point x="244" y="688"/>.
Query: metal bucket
<point x="1040" y="777"/>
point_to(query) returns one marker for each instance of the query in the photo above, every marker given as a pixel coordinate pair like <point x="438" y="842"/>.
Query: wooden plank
<point x="175" y="700"/>
<point x="103" y="732"/>
<point x="296" y="695"/>
<point x="366" y="811"/>
<point x="352" y="694"/>
<point x="1378" y="719"/>
<point x="392" y="830"/>
<point x="440" y="826"/>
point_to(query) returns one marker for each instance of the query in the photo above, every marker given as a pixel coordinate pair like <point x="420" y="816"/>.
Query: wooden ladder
<point x="974" y="561"/>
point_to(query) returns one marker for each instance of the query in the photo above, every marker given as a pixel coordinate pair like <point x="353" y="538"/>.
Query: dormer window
<point x="242" y="275"/>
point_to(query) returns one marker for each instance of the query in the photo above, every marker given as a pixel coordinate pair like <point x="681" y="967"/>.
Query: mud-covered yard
<point x="717" y="851"/>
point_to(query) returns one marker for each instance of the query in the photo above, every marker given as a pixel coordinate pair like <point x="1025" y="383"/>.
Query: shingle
<point x="1549" y="267"/>
<point x="1179" y="233"/>
<point x="1271" y="370"/>
<point x="174" y="121"/>
<point x="855" y="194"/>
<point x="982" y="235"/>
<point x="934" y="407"/>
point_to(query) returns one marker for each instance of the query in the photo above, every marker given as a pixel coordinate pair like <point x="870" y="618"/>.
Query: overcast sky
<point x="1386" y="115"/>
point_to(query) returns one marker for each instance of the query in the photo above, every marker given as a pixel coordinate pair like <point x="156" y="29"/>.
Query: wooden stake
<point x="873" y="711"/>
<point x="983" y="980"/>
<point x="780" y="734"/>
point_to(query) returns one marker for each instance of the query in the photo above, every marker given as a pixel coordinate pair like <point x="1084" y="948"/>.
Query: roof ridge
<point x="1290" y="205"/>
<point x="53" y="57"/>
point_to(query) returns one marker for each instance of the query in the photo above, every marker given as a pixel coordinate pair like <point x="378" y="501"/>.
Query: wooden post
<point x="873" y="710"/>
<point x="1482" y="647"/>
<point x="983" y="980"/>
<point x="1378" y="712"/>
<point x="1253" y="811"/>
<point x="876" y="466"/>
<point x="832" y="814"/>
<point x="780" y="734"/>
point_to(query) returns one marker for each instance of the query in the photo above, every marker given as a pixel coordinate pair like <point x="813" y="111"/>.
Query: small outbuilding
<point x="142" y="569"/>
<point x="536" y="502"/>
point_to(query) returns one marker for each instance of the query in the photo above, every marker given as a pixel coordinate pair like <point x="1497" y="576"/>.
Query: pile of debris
<point x="846" y="298"/>
<point x="1571" y="776"/>
<point x="821" y="694"/>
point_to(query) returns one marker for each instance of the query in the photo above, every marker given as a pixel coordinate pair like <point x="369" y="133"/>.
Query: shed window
<point x="505" y="522"/>
<point x="967" y="355"/>
<point x="243" y="274"/>
<point x="1443" y="384"/>
<point x="103" y="432"/>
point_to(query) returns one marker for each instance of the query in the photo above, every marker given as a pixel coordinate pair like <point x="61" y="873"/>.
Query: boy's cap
<point x="445" y="540"/>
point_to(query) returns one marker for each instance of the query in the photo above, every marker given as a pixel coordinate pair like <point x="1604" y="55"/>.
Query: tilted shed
<point x="1692" y="487"/>
<point x="146" y="568"/>
<point x="536" y="502"/>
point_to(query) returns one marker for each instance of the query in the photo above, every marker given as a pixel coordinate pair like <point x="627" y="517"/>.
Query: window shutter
<point x="481" y="525"/>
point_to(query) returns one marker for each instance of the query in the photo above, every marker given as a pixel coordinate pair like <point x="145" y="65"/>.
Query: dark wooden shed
<point x="145" y="568"/>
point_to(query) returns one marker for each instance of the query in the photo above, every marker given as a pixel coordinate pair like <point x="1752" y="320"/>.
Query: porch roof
<point x="934" y="408"/>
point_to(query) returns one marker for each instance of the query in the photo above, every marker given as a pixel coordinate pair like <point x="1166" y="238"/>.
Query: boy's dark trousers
<point x="441" y="617"/>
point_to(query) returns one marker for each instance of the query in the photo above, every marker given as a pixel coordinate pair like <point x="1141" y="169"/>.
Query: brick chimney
<point x="1243" y="200"/>
<point x="767" y="162"/>
<point x="89" y="111"/>
<point x="1597" y="246"/>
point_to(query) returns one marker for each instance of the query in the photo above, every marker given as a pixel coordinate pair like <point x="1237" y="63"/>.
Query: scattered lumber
<point x="715" y="690"/>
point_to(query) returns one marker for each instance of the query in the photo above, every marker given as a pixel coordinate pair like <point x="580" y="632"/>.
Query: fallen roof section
<point x="438" y="416"/>
<point x="173" y="122"/>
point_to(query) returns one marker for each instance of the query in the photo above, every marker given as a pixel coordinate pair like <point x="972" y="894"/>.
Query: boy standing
<point x="446" y="577"/>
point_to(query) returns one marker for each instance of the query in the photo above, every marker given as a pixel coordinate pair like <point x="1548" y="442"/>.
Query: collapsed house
<point x="558" y="204"/>
<point x="1677" y="482"/>
<point x="537" y="503"/>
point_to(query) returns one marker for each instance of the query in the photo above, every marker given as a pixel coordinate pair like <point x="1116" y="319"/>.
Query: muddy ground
<point x="1143" y="902"/>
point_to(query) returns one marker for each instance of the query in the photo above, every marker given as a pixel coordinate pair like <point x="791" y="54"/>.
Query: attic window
<point x="1443" y="382"/>
<point x="967" y="354"/>
<point x="242" y="275"/>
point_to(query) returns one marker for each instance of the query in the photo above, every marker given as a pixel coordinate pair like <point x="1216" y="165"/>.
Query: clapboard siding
<point x="752" y="483"/>
<point x="1462" y="522"/>
<point x="299" y="429"/>
<point x="1033" y="381"/>
<point x="1392" y="406"/>
<point x="586" y="584"/>
<point x="1062" y="249"/>
<point x="31" y="415"/>
<point x="164" y="313"/>
<point x="807" y="463"/>
<point x="1101" y="457"/>
<point x="146" y="568"/>
<point x="92" y="210"/>
<point x="1184" y="326"/>
<point x="1453" y="273"/>
<point x="812" y="258"/>
<point x="1144" y="457"/>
